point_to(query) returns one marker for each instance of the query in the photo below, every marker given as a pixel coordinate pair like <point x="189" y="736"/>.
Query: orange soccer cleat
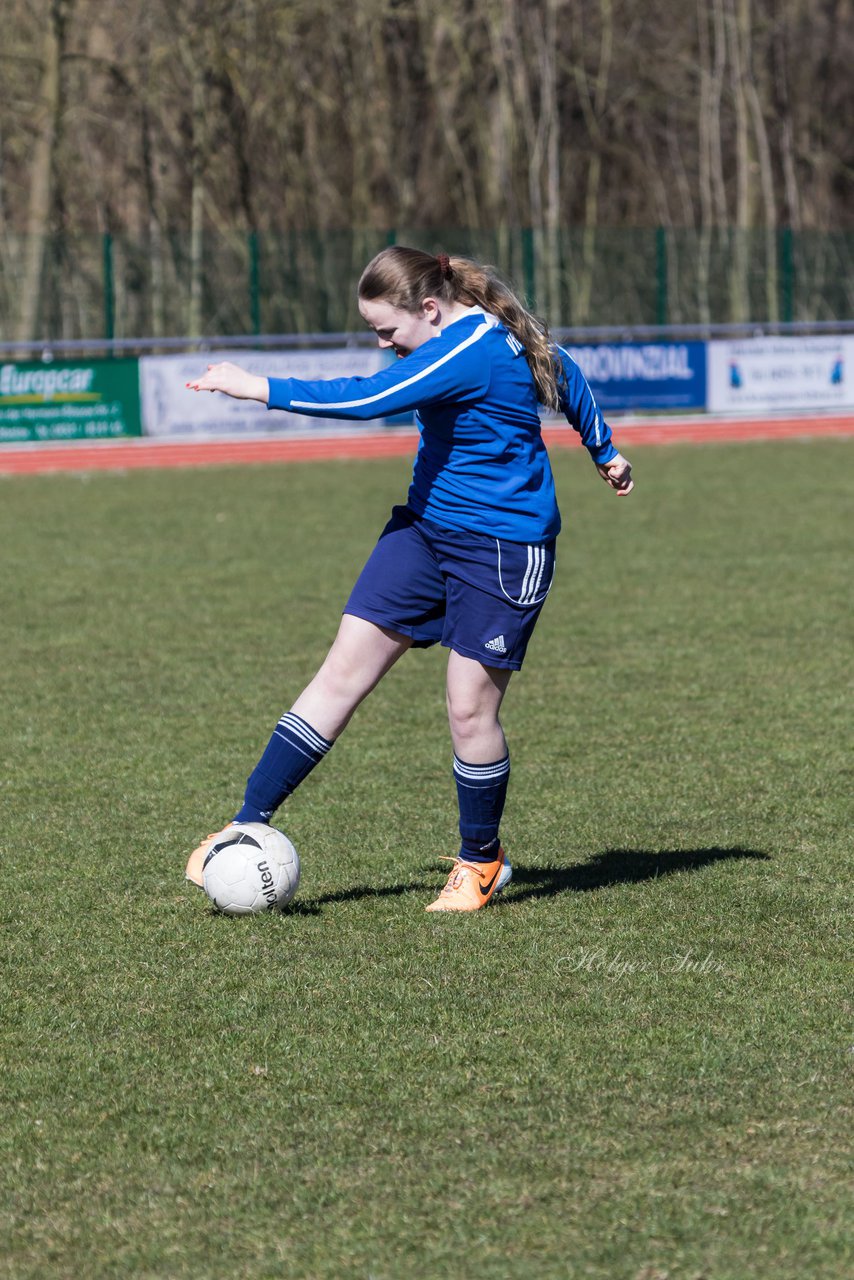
<point x="471" y="885"/>
<point x="196" y="860"/>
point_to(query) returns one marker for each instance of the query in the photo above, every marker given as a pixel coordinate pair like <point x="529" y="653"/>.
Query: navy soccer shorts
<point x="477" y="595"/>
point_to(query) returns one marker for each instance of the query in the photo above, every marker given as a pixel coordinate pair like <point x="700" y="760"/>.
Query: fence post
<point x="787" y="275"/>
<point x="661" y="276"/>
<point x="109" y="287"/>
<point x="529" y="266"/>
<point x="254" y="290"/>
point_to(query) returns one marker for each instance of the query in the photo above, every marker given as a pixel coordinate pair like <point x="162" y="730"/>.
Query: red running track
<point x="134" y="454"/>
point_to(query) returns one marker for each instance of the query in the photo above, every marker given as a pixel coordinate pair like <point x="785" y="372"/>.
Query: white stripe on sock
<point x="481" y="772"/>
<point x="300" y="729"/>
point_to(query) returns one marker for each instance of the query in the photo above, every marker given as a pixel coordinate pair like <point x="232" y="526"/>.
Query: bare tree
<point x="534" y="131"/>
<point x="42" y="184"/>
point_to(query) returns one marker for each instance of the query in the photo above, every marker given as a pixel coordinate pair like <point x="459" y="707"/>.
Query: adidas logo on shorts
<point x="497" y="645"/>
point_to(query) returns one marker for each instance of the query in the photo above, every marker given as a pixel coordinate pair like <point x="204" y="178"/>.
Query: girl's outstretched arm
<point x="232" y="381"/>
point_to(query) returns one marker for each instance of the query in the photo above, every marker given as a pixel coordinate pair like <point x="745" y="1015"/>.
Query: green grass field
<point x="637" y="1066"/>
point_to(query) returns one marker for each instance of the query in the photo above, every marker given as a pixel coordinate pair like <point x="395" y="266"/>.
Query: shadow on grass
<point x="312" y="906"/>
<point x="614" y="866"/>
<point x="618" y="866"/>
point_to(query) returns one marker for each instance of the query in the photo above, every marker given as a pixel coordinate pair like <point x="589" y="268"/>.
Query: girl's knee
<point x="341" y="674"/>
<point x="469" y="717"/>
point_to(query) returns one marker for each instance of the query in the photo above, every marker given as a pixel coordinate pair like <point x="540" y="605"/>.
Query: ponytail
<point x="405" y="277"/>
<point x="484" y="287"/>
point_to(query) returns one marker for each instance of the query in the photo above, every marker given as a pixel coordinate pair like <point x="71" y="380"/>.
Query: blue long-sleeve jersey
<point x="481" y="463"/>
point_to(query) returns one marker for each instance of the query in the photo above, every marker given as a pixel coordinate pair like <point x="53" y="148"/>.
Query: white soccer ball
<point x="251" y="868"/>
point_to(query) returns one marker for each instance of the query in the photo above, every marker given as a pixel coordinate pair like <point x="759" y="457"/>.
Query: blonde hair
<point x="405" y="277"/>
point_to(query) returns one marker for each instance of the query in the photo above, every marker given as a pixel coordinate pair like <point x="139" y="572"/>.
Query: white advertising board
<point x="758" y="375"/>
<point x="169" y="408"/>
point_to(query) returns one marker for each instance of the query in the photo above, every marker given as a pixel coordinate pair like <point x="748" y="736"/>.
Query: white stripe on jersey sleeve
<point x="479" y="332"/>
<point x="598" y="422"/>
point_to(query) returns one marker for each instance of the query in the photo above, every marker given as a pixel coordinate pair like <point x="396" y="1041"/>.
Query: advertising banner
<point x="170" y="409"/>
<point x="760" y="375"/>
<point x="644" y="375"/>
<point x="69" y="400"/>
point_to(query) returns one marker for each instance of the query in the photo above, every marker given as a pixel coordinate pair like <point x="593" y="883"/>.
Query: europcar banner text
<point x="69" y="400"/>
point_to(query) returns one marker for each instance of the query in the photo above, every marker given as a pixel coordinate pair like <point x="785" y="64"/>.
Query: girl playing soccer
<point x="468" y="560"/>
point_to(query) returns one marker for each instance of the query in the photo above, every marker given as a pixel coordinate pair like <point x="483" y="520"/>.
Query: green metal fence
<point x="303" y="282"/>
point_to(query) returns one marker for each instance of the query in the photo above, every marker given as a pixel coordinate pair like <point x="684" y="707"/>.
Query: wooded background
<point x="141" y="144"/>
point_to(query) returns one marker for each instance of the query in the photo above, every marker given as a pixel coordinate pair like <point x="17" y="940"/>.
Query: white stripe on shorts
<point x="533" y="578"/>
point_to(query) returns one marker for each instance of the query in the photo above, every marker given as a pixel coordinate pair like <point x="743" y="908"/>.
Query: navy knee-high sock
<point x="481" y="791"/>
<point x="290" y="755"/>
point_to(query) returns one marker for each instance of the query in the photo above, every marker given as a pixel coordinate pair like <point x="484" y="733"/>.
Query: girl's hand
<point x="618" y="474"/>
<point x="232" y="381"/>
